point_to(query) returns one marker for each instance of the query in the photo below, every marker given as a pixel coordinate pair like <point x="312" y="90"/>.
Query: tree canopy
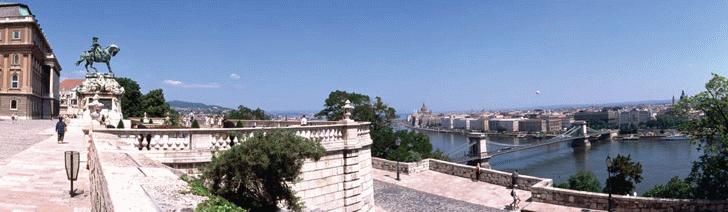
<point x="246" y="113"/>
<point x="624" y="175"/>
<point x="257" y="173"/>
<point x="582" y="181"/>
<point x="414" y="146"/>
<point x="131" y="100"/>
<point x="675" y="188"/>
<point x="709" y="173"/>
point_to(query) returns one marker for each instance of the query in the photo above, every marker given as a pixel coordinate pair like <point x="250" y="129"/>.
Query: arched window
<point x="14" y="81"/>
<point x="14" y="104"/>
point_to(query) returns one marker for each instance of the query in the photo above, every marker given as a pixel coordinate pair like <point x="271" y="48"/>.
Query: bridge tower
<point x="582" y="137"/>
<point x="478" y="150"/>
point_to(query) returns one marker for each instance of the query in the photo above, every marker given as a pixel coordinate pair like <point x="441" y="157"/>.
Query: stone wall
<point x="486" y="175"/>
<point x="542" y="190"/>
<point x="100" y="200"/>
<point x="340" y="181"/>
<point x="599" y="201"/>
<point x="406" y="168"/>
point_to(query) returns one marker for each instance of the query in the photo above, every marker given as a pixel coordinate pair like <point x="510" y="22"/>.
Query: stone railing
<point x="99" y="192"/>
<point x="491" y="176"/>
<point x="542" y="189"/>
<point x="222" y="138"/>
<point x="599" y="201"/>
<point x="279" y="123"/>
<point x="129" y="181"/>
<point x="340" y="181"/>
<point x="406" y="168"/>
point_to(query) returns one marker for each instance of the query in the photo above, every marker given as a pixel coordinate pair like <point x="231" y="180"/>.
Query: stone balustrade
<point x="222" y="138"/>
<point x="341" y="180"/>
<point x="404" y="167"/>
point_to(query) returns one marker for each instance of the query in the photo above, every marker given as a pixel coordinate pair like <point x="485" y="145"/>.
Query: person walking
<point x="60" y="129"/>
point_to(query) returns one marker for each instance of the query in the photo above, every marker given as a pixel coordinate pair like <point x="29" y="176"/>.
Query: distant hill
<point x="195" y="106"/>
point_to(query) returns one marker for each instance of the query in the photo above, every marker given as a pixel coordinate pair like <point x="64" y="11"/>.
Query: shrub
<point x="582" y="181"/>
<point x="675" y="188"/>
<point x="239" y="124"/>
<point x="150" y="121"/>
<point x="120" y="125"/>
<point x="218" y="204"/>
<point x="257" y="174"/>
<point x="213" y="203"/>
<point x="195" y="124"/>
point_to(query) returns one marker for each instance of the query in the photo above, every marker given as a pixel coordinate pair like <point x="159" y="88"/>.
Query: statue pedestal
<point x="109" y="94"/>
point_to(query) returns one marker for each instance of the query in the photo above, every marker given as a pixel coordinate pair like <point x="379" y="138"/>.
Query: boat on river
<point x="631" y="137"/>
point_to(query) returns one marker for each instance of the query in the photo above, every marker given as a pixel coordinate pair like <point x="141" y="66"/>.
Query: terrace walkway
<point x="32" y="172"/>
<point x="454" y="192"/>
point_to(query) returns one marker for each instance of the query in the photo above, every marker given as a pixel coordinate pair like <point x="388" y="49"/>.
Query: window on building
<point x="16" y="35"/>
<point x="14" y="104"/>
<point x="16" y="59"/>
<point x="14" y="81"/>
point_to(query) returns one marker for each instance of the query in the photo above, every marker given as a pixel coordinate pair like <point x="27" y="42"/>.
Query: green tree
<point x="624" y="175"/>
<point x="120" y="125"/>
<point x="131" y="101"/>
<point x="413" y="147"/>
<point x="195" y="124"/>
<point x="709" y="173"/>
<point x="258" y="173"/>
<point x="675" y="188"/>
<point x="582" y="181"/>
<point x="154" y="104"/>
<point x="246" y="113"/>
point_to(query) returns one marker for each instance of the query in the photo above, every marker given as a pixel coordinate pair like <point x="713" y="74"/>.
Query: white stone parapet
<point x="340" y="181"/>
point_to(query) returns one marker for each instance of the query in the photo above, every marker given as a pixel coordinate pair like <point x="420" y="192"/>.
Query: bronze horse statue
<point x="100" y="56"/>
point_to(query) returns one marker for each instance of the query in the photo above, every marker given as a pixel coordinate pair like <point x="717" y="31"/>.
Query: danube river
<point x="661" y="159"/>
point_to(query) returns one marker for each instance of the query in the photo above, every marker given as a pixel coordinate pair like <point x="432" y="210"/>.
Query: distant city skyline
<point x="453" y="57"/>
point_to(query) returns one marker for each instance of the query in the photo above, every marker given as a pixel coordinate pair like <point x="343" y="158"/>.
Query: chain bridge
<point x="475" y="151"/>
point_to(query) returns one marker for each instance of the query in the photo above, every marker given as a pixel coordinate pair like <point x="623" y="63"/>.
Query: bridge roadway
<point x="570" y="135"/>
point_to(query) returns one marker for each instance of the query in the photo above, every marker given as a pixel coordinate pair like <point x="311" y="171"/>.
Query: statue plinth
<point x="107" y="90"/>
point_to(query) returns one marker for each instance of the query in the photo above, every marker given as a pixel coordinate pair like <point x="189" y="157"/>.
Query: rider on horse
<point x="95" y="47"/>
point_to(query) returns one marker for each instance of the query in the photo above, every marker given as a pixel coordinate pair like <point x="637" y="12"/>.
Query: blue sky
<point x="451" y="55"/>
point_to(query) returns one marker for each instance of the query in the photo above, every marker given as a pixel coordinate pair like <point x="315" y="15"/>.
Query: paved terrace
<point x="452" y="192"/>
<point x="32" y="171"/>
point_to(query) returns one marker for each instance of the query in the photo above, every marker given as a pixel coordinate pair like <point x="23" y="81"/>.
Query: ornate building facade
<point x="30" y="71"/>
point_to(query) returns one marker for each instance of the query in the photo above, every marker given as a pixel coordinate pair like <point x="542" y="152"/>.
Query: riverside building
<point x="30" y="71"/>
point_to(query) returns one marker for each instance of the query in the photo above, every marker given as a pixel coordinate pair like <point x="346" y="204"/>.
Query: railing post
<point x="352" y="182"/>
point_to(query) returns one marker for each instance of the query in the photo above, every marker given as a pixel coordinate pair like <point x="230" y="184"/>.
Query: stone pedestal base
<point x="104" y="89"/>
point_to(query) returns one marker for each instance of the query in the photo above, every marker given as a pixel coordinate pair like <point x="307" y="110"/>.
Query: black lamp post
<point x="397" y="142"/>
<point x="609" y="186"/>
<point x="72" y="159"/>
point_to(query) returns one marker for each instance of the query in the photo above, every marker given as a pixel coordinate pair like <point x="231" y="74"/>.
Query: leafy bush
<point x="195" y="124"/>
<point x="213" y="203"/>
<point x="218" y="204"/>
<point x="257" y="174"/>
<point x="120" y="125"/>
<point x="582" y="181"/>
<point x="239" y="124"/>
<point x="675" y="188"/>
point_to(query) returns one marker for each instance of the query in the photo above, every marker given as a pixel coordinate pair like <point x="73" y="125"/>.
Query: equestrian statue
<point x="98" y="55"/>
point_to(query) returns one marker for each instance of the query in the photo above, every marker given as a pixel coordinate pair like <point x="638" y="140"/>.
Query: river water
<point x="660" y="159"/>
